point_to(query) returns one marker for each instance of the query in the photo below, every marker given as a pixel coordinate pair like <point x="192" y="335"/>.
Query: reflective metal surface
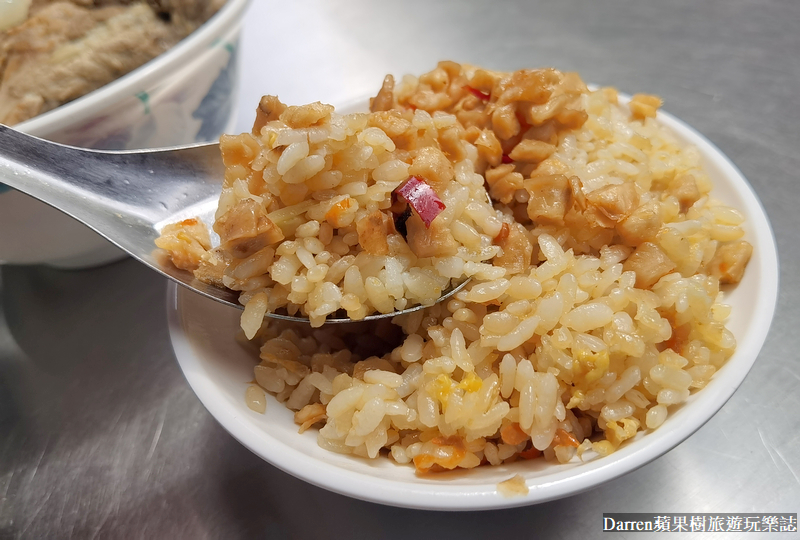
<point x="126" y="196"/>
<point x="101" y="437"/>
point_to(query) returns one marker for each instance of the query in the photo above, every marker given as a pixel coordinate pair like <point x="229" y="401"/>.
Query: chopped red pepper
<point x="478" y="94"/>
<point x="422" y="198"/>
<point x="507" y="159"/>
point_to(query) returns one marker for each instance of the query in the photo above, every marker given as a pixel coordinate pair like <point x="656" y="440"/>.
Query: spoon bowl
<point x="129" y="196"/>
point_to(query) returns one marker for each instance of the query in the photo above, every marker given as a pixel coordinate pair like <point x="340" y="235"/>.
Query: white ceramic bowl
<point x="219" y="370"/>
<point x="183" y="96"/>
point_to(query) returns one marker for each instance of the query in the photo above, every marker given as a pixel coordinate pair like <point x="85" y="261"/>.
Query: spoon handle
<point x="126" y="197"/>
<point x="123" y="196"/>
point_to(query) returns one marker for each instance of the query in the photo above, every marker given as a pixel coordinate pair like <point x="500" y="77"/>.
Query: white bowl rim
<point x="561" y="483"/>
<point x="229" y="15"/>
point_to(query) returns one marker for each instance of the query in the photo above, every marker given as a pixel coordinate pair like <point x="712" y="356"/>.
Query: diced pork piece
<point x="399" y="129"/>
<point x="437" y="79"/>
<point x="373" y="230"/>
<point x="729" y="261"/>
<point x="517" y="249"/>
<point x="539" y="114"/>
<point x="471" y="134"/>
<point x="238" y="149"/>
<point x="432" y="165"/>
<point x="450" y="141"/>
<point x="644" y="106"/>
<point x="303" y="116"/>
<point x="390" y="122"/>
<point x="269" y="108"/>
<point x="531" y="85"/>
<point x="552" y="165"/>
<point x="452" y="69"/>
<point x="433" y="241"/>
<point x="505" y="122"/>
<point x="384" y="101"/>
<point x="684" y="188"/>
<point x="642" y="225"/>
<point x="531" y="151"/>
<point x="489" y="147"/>
<point x="483" y="81"/>
<point x="578" y="197"/>
<point x="611" y="204"/>
<point x="245" y="229"/>
<point x="428" y="100"/>
<point x="211" y="269"/>
<point x="503" y="183"/>
<point x="649" y="263"/>
<point x="546" y="132"/>
<point x="550" y="198"/>
<point x="570" y="118"/>
<point x="186" y="242"/>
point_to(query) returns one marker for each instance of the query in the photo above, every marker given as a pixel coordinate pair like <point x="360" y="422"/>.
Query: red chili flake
<point x="478" y="94"/>
<point x="507" y="159"/>
<point x="422" y="198"/>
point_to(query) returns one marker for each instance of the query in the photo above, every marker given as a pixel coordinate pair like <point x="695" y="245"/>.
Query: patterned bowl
<point x="183" y="96"/>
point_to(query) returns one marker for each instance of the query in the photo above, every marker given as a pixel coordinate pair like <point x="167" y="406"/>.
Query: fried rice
<point x="594" y="248"/>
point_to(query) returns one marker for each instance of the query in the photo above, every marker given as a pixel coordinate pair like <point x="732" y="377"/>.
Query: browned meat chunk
<point x="517" y="249"/>
<point x="372" y="232"/>
<point x="644" y="106"/>
<point x="384" y="101"/>
<point x="450" y="141"/>
<point x="489" y="147"/>
<point x="269" y="108"/>
<point x="432" y="165"/>
<point x="503" y="183"/>
<point x="505" y="122"/>
<point x="210" y="270"/>
<point x="611" y="204"/>
<point x="684" y="188"/>
<point x="549" y="200"/>
<point x="649" y="263"/>
<point x="433" y="241"/>
<point x="238" y="149"/>
<point x="730" y="260"/>
<point x="399" y="129"/>
<point x="641" y="225"/>
<point x="302" y="116"/>
<point x="532" y="151"/>
<point x="245" y="229"/>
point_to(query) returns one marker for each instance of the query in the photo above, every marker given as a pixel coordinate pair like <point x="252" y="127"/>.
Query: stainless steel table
<point x="100" y="436"/>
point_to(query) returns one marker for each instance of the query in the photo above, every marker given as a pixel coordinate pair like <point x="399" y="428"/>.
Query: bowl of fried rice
<point x="622" y="280"/>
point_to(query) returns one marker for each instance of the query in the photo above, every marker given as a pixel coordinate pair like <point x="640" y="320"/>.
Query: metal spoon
<point x="129" y="196"/>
